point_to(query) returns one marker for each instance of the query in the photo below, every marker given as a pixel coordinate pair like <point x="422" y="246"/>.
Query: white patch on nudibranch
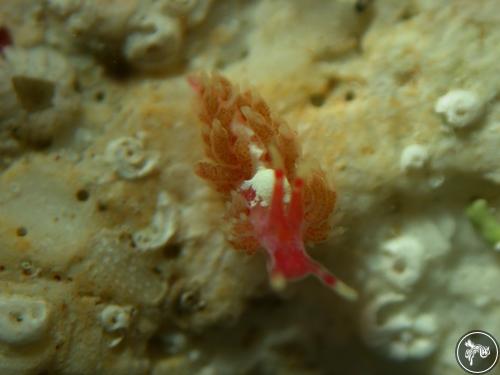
<point x="263" y="184"/>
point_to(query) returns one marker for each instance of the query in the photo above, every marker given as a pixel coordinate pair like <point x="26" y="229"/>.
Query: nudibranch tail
<point x="335" y="284"/>
<point x="280" y="234"/>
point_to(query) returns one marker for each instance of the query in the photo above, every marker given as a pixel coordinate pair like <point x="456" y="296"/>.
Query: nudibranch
<point x="251" y="159"/>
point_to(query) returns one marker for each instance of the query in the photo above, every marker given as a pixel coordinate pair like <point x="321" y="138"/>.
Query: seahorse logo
<point x="477" y="352"/>
<point x="484" y="351"/>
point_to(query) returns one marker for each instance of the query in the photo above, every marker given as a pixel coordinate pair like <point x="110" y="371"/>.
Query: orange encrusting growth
<point x="243" y="142"/>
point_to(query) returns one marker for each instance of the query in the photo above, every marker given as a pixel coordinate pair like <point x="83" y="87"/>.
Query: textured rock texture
<point x="112" y="256"/>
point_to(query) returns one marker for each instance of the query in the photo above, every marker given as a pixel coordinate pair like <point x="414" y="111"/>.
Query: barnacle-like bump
<point x="414" y="157"/>
<point x="115" y="318"/>
<point x="162" y="227"/>
<point x="398" y="334"/>
<point x="155" y="44"/>
<point x="37" y="96"/>
<point x="460" y="108"/>
<point x="129" y="159"/>
<point x="149" y="35"/>
<point x="402" y="261"/>
<point x="22" y="319"/>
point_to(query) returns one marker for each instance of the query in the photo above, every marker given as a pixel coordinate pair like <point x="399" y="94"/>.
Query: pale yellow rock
<point x="358" y="80"/>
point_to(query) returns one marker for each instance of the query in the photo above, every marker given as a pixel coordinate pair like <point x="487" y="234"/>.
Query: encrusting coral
<point x="252" y="156"/>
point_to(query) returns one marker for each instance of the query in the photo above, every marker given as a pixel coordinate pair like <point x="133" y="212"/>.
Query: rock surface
<point x="112" y="256"/>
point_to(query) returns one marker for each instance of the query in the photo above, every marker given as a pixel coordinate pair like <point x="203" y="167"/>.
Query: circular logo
<point x="477" y="352"/>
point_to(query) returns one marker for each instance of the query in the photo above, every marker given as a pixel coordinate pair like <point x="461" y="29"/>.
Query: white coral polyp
<point x="459" y="107"/>
<point x="414" y="339"/>
<point x="22" y="319"/>
<point x="162" y="227"/>
<point x="397" y="333"/>
<point x="114" y="318"/>
<point x="414" y="157"/>
<point x="263" y="184"/>
<point x="403" y="261"/>
<point x="129" y="159"/>
<point x="156" y="44"/>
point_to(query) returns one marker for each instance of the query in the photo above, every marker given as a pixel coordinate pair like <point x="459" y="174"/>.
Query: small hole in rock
<point x="99" y="96"/>
<point x="189" y="302"/>
<point x="21" y="231"/>
<point x="317" y="100"/>
<point x="41" y="144"/>
<point x="220" y="64"/>
<point x="5" y="38"/>
<point x="16" y="316"/>
<point x="82" y="195"/>
<point x="399" y="266"/>
<point x="57" y="277"/>
<point x="101" y="206"/>
<point x="407" y="14"/>
<point x="77" y="86"/>
<point x="361" y="5"/>
<point x="172" y="251"/>
<point x="244" y="54"/>
<point x="116" y="66"/>
<point x="27" y="271"/>
<point x="349" y="96"/>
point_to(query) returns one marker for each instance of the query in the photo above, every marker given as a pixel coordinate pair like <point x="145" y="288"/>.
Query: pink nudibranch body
<point x="278" y="228"/>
